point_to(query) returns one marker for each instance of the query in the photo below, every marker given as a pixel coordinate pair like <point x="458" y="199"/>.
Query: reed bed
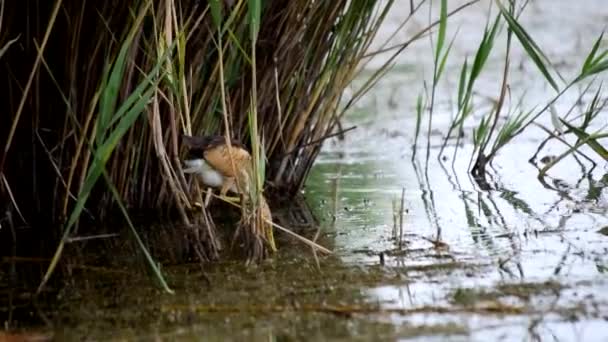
<point x="97" y="95"/>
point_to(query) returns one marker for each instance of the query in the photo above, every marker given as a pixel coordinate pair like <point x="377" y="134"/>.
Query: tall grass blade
<point x="445" y="58"/>
<point x="157" y="272"/>
<point x="571" y="150"/>
<point x="483" y="52"/>
<point x="596" y="68"/>
<point x="509" y="130"/>
<point x="594" y="108"/>
<point x="437" y="69"/>
<point x="128" y="113"/>
<point x="594" y="65"/>
<point x="443" y="21"/>
<point x="109" y="96"/>
<point x="588" y="139"/>
<point x="481" y="56"/>
<point x="590" y="58"/>
<point x="529" y="45"/>
<point x="101" y="154"/>
<point x="419" y="112"/>
<point x="462" y="83"/>
<point x="8" y="45"/>
<point x="255" y="14"/>
<point x="216" y="12"/>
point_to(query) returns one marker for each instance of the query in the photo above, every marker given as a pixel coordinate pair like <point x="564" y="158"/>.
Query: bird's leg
<point x="228" y="183"/>
<point x="225" y="187"/>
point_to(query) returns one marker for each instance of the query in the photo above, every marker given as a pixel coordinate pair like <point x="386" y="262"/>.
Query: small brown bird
<point x="229" y="169"/>
<point x="209" y="157"/>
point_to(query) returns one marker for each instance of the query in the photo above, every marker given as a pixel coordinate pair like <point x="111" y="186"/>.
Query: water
<point x="523" y="261"/>
<point x="520" y="232"/>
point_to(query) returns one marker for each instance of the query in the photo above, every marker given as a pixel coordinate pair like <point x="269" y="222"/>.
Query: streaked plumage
<point x="209" y="157"/>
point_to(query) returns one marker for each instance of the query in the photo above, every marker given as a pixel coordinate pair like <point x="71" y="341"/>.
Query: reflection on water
<point x="520" y="232"/>
<point x="524" y="230"/>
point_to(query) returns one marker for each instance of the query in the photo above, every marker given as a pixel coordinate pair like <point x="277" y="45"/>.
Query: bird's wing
<point x="219" y="158"/>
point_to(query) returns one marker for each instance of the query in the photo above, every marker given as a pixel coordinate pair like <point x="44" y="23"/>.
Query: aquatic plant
<point x="98" y="94"/>
<point x="496" y="128"/>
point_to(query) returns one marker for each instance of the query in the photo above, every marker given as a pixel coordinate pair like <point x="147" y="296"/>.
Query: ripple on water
<point x="456" y="236"/>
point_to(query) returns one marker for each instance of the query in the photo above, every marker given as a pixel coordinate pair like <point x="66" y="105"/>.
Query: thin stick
<point x="301" y="238"/>
<point x="92" y="237"/>
<point x="10" y="194"/>
<point x="227" y="132"/>
<point x="401" y="218"/>
<point x="400" y="47"/>
<point x="28" y="85"/>
<point x="321" y="139"/>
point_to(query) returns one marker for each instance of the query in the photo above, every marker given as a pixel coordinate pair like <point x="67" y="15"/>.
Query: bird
<point x="209" y="157"/>
<point x="230" y="169"/>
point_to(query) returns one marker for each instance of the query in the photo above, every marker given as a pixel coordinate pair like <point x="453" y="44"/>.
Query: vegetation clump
<point x="98" y="94"/>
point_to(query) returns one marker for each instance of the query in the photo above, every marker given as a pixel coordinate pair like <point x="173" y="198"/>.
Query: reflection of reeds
<point x="398" y="211"/>
<point x="401" y="211"/>
<point x="103" y="90"/>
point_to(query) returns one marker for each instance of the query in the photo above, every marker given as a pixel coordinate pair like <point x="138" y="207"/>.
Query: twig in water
<point x="314" y="142"/>
<point x="91" y="237"/>
<point x="401" y="218"/>
<point x="310" y="243"/>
